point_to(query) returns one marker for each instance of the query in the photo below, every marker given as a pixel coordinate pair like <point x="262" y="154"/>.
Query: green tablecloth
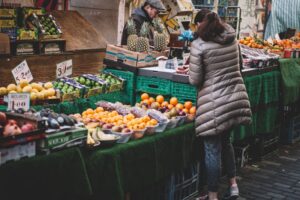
<point x="103" y="173"/>
<point x="139" y="164"/>
<point x="290" y="72"/>
<point x="60" y="176"/>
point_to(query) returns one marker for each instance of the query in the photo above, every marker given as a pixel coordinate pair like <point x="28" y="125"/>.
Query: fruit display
<point x="94" y="84"/>
<point x="27" y="34"/>
<point x="38" y="91"/>
<point x="113" y="83"/>
<point x="171" y="108"/>
<point x="14" y="124"/>
<point x="258" y="58"/>
<point x="69" y="88"/>
<point x="160" y="39"/>
<point x="55" y="121"/>
<point x="132" y="35"/>
<point x="273" y="46"/>
<point x="142" y="43"/>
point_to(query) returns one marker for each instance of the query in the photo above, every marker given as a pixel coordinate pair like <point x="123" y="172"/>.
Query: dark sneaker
<point x="232" y="193"/>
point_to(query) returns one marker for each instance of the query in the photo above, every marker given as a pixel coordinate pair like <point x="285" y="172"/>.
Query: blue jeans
<point x="215" y="148"/>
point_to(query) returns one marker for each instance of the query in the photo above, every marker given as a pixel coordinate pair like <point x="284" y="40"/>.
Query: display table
<point x="105" y="173"/>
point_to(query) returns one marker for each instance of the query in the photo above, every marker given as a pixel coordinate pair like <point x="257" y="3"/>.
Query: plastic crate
<point x="291" y="130"/>
<point x="184" y="90"/>
<point x="271" y="87"/>
<point x="130" y="84"/>
<point x="184" y="185"/>
<point x="153" y="85"/>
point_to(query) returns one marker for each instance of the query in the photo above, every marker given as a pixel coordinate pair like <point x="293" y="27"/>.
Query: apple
<point x="27" y="128"/>
<point x="126" y="130"/>
<point x="2" y="118"/>
<point x="116" y="129"/>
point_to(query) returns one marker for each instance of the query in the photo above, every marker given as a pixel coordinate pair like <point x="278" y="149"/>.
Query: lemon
<point x="48" y="85"/>
<point x="40" y="95"/>
<point x="11" y="87"/>
<point x="33" y="96"/>
<point x="3" y="91"/>
<point x="27" y="88"/>
<point x="23" y="83"/>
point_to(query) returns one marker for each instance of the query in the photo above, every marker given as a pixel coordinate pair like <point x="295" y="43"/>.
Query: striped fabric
<point x="285" y="14"/>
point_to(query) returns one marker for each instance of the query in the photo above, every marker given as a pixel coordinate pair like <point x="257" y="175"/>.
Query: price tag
<point x="64" y="69"/>
<point x="18" y="100"/>
<point x="22" y="72"/>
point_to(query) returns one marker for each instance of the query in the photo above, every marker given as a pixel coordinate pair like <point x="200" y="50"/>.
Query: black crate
<point x="185" y="184"/>
<point x="24" y="47"/>
<point x="53" y="46"/>
<point x="291" y="130"/>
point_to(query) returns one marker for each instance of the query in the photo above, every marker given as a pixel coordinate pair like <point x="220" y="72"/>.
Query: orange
<point x="151" y="99"/>
<point x="144" y="96"/>
<point x="185" y="110"/>
<point x="170" y="106"/>
<point x="99" y="109"/>
<point x="193" y="110"/>
<point x="146" y="101"/>
<point x="89" y="111"/>
<point x="160" y="99"/>
<point x="174" y="101"/>
<point x="179" y="106"/>
<point x="165" y="103"/>
<point x="188" y="105"/>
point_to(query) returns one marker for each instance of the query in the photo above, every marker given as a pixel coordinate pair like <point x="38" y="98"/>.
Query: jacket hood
<point x="140" y="12"/>
<point x="227" y="37"/>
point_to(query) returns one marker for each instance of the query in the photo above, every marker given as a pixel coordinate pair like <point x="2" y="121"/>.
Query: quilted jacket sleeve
<point x="196" y="67"/>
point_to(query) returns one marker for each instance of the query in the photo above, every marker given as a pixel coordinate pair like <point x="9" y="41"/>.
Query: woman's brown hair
<point x="211" y="27"/>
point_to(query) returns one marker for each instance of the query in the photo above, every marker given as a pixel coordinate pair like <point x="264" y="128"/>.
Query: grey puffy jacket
<point x="222" y="97"/>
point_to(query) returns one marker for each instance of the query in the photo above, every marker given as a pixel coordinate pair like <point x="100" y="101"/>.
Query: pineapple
<point x="143" y="42"/>
<point x="132" y="36"/>
<point x="160" y="39"/>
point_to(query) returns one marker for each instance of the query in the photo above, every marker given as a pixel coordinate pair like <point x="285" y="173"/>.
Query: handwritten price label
<point x="18" y="100"/>
<point x="64" y="69"/>
<point x="22" y="72"/>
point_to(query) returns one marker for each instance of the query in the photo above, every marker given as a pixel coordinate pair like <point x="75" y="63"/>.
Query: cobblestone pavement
<point x="277" y="176"/>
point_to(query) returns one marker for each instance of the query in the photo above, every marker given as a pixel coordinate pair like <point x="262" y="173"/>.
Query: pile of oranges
<point x="159" y="102"/>
<point x="114" y="118"/>
<point x="252" y="42"/>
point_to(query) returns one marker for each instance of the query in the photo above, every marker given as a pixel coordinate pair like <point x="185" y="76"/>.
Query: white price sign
<point x="18" y="100"/>
<point x="22" y="72"/>
<point x="64" y="69"/>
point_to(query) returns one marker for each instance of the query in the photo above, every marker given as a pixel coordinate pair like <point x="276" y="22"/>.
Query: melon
<point x="27" y="88"/>
<point x="23" y="83"/>
<point x="3" y="91"/>
<point x="48" y="85"/>
<point x="11" y="87"/>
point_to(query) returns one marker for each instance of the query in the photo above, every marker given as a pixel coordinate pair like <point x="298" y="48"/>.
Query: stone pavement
<point x="277" y="176"/>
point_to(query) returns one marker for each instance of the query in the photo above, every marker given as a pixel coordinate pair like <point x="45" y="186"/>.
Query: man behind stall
<point x="146" y="13"/>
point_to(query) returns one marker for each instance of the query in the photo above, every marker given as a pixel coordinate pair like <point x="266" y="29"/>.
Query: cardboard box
<point x="136" y="59"/>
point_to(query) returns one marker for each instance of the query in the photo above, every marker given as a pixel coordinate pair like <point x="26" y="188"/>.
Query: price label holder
<point x="18" y="100"/>
<point x="64" y="69"/>
<point x="22" y="72"/>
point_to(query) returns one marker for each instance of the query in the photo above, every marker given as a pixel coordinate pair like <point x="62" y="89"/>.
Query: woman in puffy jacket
<point x="222" y="100"/>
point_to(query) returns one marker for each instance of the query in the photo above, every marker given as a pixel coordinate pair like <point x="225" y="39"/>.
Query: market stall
<point x="121" y="123"/>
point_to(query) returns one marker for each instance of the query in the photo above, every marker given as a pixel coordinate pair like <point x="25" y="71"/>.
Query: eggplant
<point x="52" y="123"/>
<point x="68" y="120"/>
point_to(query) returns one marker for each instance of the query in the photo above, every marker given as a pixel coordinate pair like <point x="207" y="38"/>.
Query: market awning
<point x="285" y="14"/>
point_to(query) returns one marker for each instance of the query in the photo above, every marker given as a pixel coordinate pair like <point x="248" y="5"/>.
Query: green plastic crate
<point x="153" y="85"/>
<point x="185" y="99"/>
<point x="130" y="84"/>
<point x="254" y="89"/>
<point x="184" y="90"/>
<point x="271" y="87"/>
<point x="64" y="138"/>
